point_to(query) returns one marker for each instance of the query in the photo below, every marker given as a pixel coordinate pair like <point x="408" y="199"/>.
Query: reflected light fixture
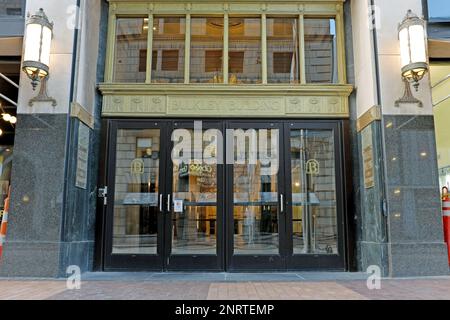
<point x="6" y="117"/>
<point x="36" y="60"/>
<point x="9" y="118"/>
<point x="414" y="58"/>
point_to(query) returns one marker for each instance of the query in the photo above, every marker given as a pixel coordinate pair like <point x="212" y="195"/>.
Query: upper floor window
<point x="202" y="49"/>
<point x="438" y="10"/>
<point x="12" y="8"/>
<point x="320" y="51"/>
<point x="131" y="50"/>
<point x="244" y="46"/>
<point x="168" y="61"/>
<point x="283" y="50"/>
<point x="206" y="63"/>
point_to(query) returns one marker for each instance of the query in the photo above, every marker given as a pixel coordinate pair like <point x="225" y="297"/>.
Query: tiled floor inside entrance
<point x="226" y="286"/>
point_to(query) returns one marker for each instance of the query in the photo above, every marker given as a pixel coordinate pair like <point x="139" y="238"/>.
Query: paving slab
<point x="226" y="286"/>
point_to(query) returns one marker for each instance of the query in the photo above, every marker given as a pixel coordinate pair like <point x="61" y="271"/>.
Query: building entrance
<point x="224" y="195"/>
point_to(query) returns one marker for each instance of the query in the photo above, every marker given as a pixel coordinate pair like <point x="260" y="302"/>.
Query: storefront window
<point x="282" y="50"/>
<point x="168" y="49"/>
<point x="207" y="50"/>
<point x="320" y="51"/>
<point x="130" y="64"/>
<point x="245" y="51"/>
<point x="12" y="8"/>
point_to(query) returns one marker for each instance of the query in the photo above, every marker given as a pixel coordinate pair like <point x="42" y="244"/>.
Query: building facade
<point x="225" y="136"/>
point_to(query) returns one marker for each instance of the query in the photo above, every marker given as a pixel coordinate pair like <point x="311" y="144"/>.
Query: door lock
<point x="103" y="193"/>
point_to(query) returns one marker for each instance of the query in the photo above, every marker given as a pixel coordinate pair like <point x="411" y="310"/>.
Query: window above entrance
<point x="226" y="58"/>
<point x="226" y="43"/>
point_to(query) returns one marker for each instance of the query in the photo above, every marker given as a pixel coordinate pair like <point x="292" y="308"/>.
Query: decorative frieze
<point x="226" y="103"/>
<point x="249" y="7"/>
<point x="333" y="106"/>
<point x="121" y="104"/>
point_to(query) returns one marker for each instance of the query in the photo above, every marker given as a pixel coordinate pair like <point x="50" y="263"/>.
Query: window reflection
<point x="207" y="50"/>
<point x="168" y="49"/>
<point x="314" y="209"/>
<point x="282" y="50"/>
<point x="136" y="192"/>
<point x="320" y="51"/>
<point x="194" y="217"/>
<point x="244" y="50"/>
<point x="12" y="8"/>
<point x="130" y="63"/>
<point x="255" y="190"/>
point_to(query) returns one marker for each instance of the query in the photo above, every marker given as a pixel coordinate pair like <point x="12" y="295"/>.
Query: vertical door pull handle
<point x="281" y="203"/>
<point x="160" y="203"/>
<point x="168" y="203"/>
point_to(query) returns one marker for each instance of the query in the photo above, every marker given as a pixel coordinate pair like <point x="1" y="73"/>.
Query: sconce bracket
<point x="408" y="96"/>
<point x="43" y="95"/>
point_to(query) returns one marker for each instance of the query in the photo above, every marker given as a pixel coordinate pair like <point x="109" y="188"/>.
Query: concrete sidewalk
<point x="226" y="286"/>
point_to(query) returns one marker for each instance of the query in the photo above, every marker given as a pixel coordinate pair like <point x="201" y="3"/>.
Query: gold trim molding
<point x="225" y="101"/>
<point x="77" y="111"/>
<point x="371" y="115"/>
<point x="232" y="6"/>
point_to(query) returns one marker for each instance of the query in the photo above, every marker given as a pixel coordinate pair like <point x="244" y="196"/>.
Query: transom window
<point x="226" y="49"/>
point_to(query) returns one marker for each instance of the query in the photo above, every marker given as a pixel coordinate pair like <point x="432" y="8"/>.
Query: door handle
<point x="160" y="203"/>
<point x="103" y="193"/>
<point x="168" y="203"/>
<point x="281" y="203"/>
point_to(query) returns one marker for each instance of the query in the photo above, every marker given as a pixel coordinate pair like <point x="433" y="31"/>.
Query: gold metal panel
<point x="241" y="106"/>
<point x="210" y="101"/>
<point x="79" y="112"/>
<point x="121" y="104"/>
<point x="371" y="115"/>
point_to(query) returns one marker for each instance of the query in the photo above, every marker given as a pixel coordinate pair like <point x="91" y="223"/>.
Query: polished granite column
<point x="415" y="246"/>
<point x="372" y="219"/>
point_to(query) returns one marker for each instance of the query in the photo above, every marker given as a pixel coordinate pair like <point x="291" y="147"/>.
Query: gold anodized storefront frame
<point x="263" y="100"/>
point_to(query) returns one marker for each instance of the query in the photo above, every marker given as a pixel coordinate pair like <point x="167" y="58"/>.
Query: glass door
<point x="255" y="215"/>
<point x="194" y="229"/>
<point x="315" y="198"/>
<point x="135" y="221"/>
<point x="224" y="195"/>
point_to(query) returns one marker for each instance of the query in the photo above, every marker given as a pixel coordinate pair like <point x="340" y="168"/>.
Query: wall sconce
<point x="38" y="41"/>
<point x="414" y="58"/>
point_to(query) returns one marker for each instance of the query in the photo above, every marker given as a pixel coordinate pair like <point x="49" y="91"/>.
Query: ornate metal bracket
<point x="408" y="96"/>
<point x="43" y="95"/>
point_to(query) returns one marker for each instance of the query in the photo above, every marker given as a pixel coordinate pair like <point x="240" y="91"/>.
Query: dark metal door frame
<point x="317" y="261"/>
<point x="286" y="261"/>
<point x="255" y="262"/>
<point x="131" y="261"/>
<point x="195" y="262"/>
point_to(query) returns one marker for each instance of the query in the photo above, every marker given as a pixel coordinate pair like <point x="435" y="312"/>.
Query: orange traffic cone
<point x="4" y="224"/>
<point x="446" y="218"/>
